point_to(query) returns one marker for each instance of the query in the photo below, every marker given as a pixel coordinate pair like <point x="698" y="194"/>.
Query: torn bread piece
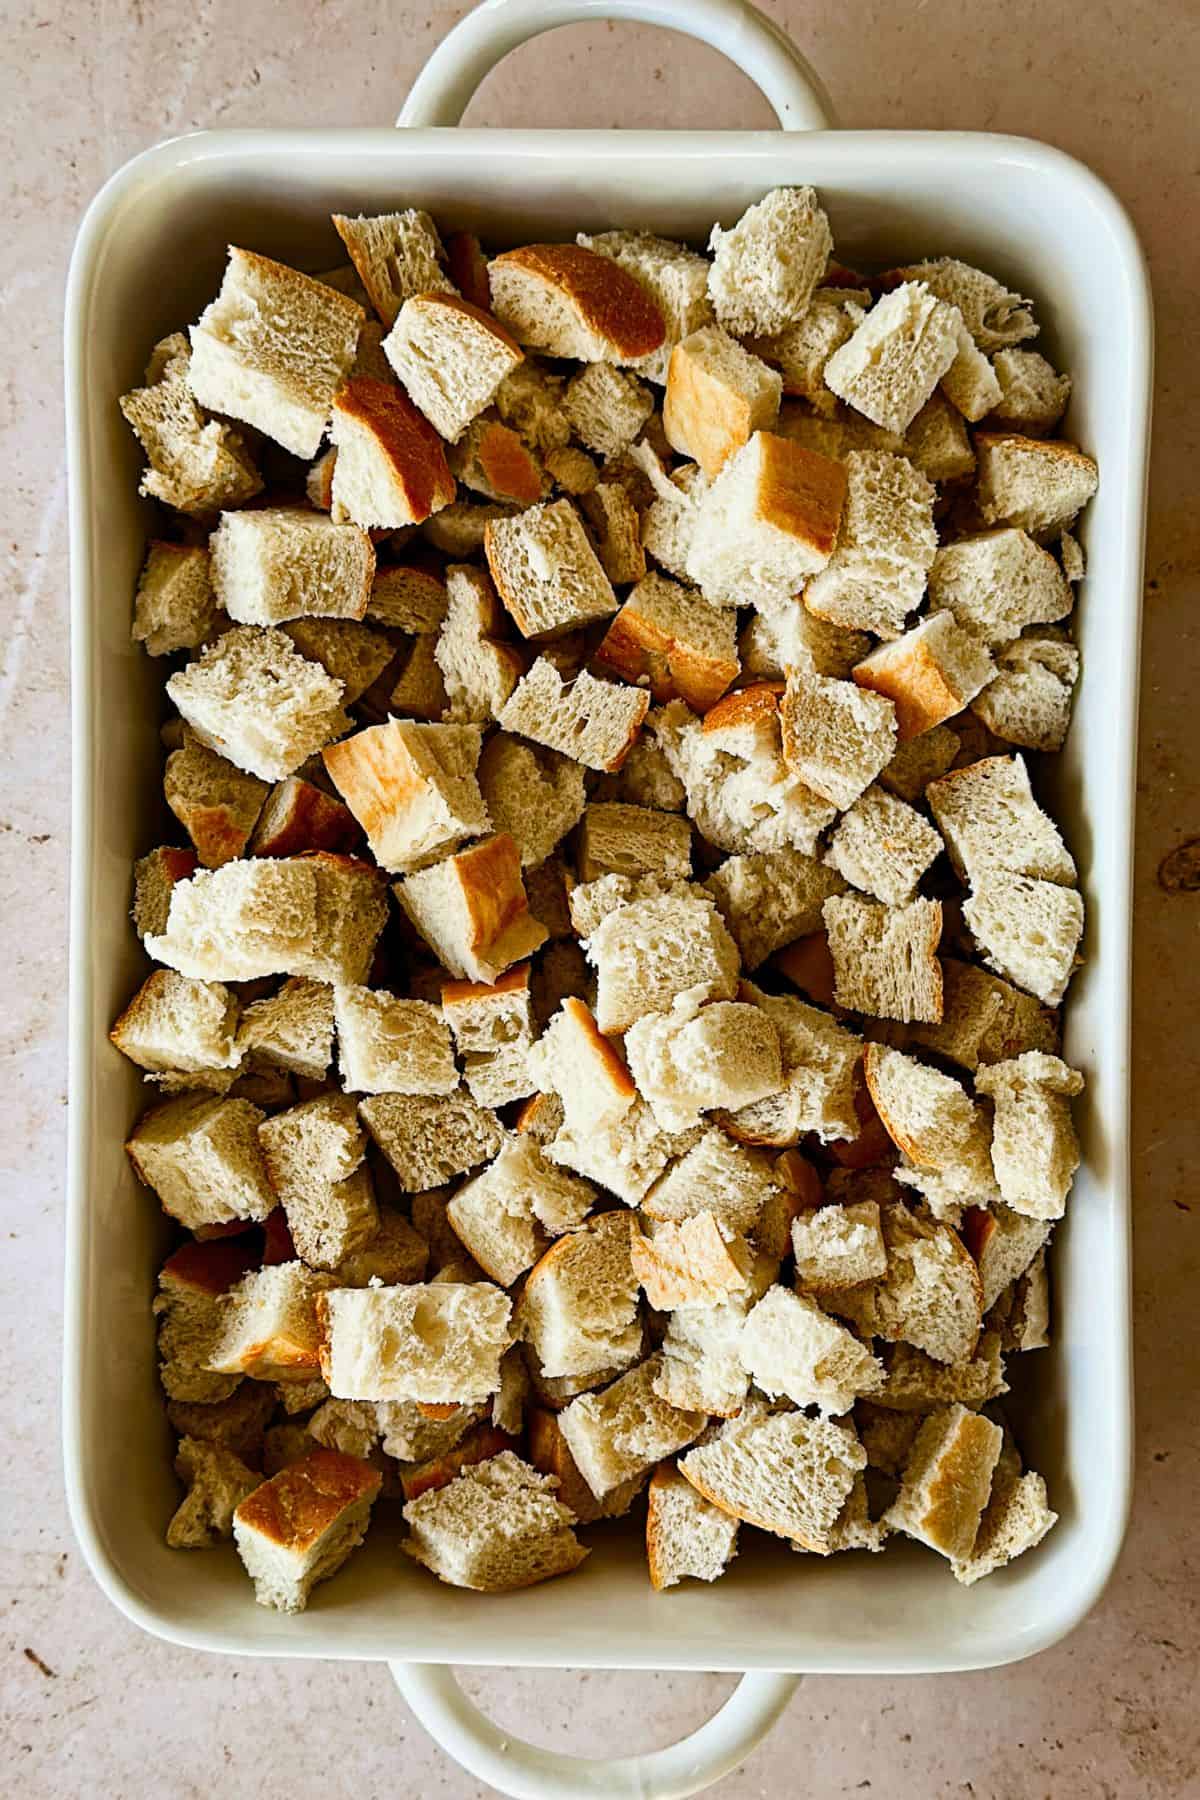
<point x="174" y="1023"/>
<point x="429" y="1138"/>
<point x="619" y="1434"/>
<point x="1028" y="930"/>
<point x="885" y="547"/>
<point x="930" y="1296"/>
<point x="607" y="408"/>
<point x="1029" y="700"/>
<point x="389" y="1045"/>
<point x="254" y="700"/>
<point x="717" y="395"/>
<point x="783" y="1472"/>
<point x="175" y="607"/>
<point x="314" y="1156"/>
<point x="594" y="722"/>
<point x="791" y="1347"/>
<point x="890" y="366"/>
<point x="1016" y="1518"/>
<point x="800" y="350"/>
<point x="188" y="1309"/>
<point x="272" y="350"/>
<point x="627" y="1158"/>
<point x="436" y="1342"/>
<point x="413" y="789"/>
<point x="698" y="1262"/>
<point x="451" y="357"/>
<point x="534" y="795"/>
<point x="929" y="674"/>
<point x="196" y="464"/>
<point x="687" y="1538"/>
<point x="1033" y="396"/>
<point x="820" y="1059"/>
<point x="1004" y="1244"/>
<point x="496" y="1527"/>
<point x="998" y="582"/>
<point x="395" y="255"/>
<point x="546" y="572"/>
<point x="353" y="653"/>
<point x="996" y="317"/>
<point x="883" y="847"/>
<point x="702" y="1368"/>
<point x="715" y="1175"/>
<point x="579" y="1310"/>
<point x="1035" y="1151"/>
<point x="618" y="839"/>
<point x="507" y="1214"/>
<point x="616" y="527"/>
<point x="772" y="643"/>
<point x="918" y="761"/>
<point x="697" y="1057"/>
<point x="299" y="816"/>
<point x="765" y="268"/>
<point x="268" y="1328"/>
<point x="280" y="563"/>
<point x="768" y="522"/>
<point x="917" y="1382"/>
<point x="971" y="383"/>
<point x="947" y="1481"/>
<point x="985" y="1020"/>
<point x="391" y="467"/>
<point x="649" y="952"/>
<point x="570" y="302"/>
<point x="216" y="1482"/>
<point x="838" y="1246"/>
<point x="472" y="911"/>
<point x="1038" y="484"/>
<point x="676" y="279"/>
<point x="668" y="638"/>
<point x="200" y="1154"/>
<point x="992" y="824"/>
<point x="836" y="737"/>
<point x="587" y="1071"/>
<point x="493" y="460"/>
<point x="291" y="1029"/>
<point x="770" y="898"/>
<point x="932" y="1119"/>
<point x="408" y="597"/>
<point x="669" y="522"/>
<point x="480" y="671"/>
<point x="938" y="443"/>
<point x="493" y="1031"/>
<point x="299" y="1527"/>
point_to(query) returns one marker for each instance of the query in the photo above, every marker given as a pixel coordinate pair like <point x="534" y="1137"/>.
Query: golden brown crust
<point x="509" y="469"/>
<point x="480" y="1443"/>
<point x="489" y="877"/>
<point x="801" y="492"/>
<point x="208" y="1268"/>
<point x="665" y="1476"/>
<point x="957" y="1488"/>
<point x="607" y="299"/>
<point x="294" y="1508"/>
<point x="470" y="993"/>
<point x="746" y="707"/>
<point x="1058" y="449"/>
<point x="415" y="453"/>
<point x="703" y="416"/>
<point x="376" y="773"/>
<point x="902" y="1139"/>
<point x="640" y="651"/>
<point x="608" y="1063"/>
<point x="467" y="309"/>
<point x="298" y="817"/>
<point x="915" y="682"/>
<point x="747" y="1518"/>
<point x="686" y="1264"/>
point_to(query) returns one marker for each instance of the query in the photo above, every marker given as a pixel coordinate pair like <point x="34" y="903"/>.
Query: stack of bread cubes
<point x="608" y="952"/>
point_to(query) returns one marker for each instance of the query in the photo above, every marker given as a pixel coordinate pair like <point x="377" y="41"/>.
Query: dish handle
<point x="764" y="52"/>
<point x="527" y="1772"/>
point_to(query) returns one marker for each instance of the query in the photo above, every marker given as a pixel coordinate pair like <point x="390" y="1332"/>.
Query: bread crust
<point x="468" y="993"/>
<point x="489" y="876"/>
<point x="294" y="1508"/>
<point x="703" y="415"/>
<point x="403" y="435"/>
<point x="468" y="268"/>
<point x="914" y="681"/>
<point x="746" y="707"/>
<point x="297" y="816"/>
<point x="507" y="466"/>
<point x="605" y="297"/>
<point x="801" y="492"/>
<point x="641" y="651"/>
<point x="211" y="1267"/>
<point x="467" y="309"/>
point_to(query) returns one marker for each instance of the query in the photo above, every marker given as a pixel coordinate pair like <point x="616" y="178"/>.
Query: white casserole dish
<point x="148" y="257"/>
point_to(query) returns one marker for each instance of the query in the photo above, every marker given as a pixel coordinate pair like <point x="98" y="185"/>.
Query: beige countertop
<point x="88" y="1705"/>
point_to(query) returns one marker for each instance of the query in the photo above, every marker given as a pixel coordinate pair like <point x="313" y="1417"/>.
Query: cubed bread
<point x="1038" y="484"/>
<point x="717" y="395"/>
<point x="607" y="408"/>
<point x="687" y="1538"/>
<point x="714" y="1175"/>
<point x="314" y="1157"/>
<point x="970" y="383"/>
<point x="772" y="643"/>
<point x="933" y="1121"/>
<point x="675" y="278"/>
<point x="883" y="847"/>
<point x="579" y="1308"/>
<point x="391" y="467"/>
<point x="272" y="350"/>
<point x="985" y="1020"/>
<point x="791" y="1347"/>
<point x="618" y="839"/>
<point x="885" y="547"/>
<point x="947" y="1481"/>
<point x="770" y="898"/>
<point x="647" y="953"/>
<point x="1028" y="930"/>
<point x="698" y="1262"/>
<point x="420" y="691"/>
<point x="451" y="357"/>
<point x="236" y="1424"/>
<point x="819" y="1059"/>
<point x="480" y="670"/>
<point x="291" y="1029"/>
<point x="918" y="761"/>
<point x="885" y="957"/>
<point x="506" y="1215"/>
<point x="216" y="803"/>
<point x="1035" y="1151"/>
<point x="195" y="464"/>
<point x="253" y="699"/>
<point x="800" y="350"/>
<point x="498" y="1526"/>
<point x="1033" y="396"/>
<point x="627" y="1158"/>
<point x="546" y="572"/>
<point x="783" y="1472"/>
<point x="216" y="1482"/>
<point x="904" y="346"/>
<point x="1028" y="702"/>
<point x="436" y="1342"/>
<point x="667" y="638"/>
<point x="268" y="1327"/>
<point x="201" y="1156"/>
<point x="395" y="256"/>
<point x="765" y="268"/>
<point x="994" y="315"/>
<point x="176" y="1024"/>
<point x="938" y="443"/>
<point x="836" y="737"/>
<point x="493" y="460"/>
<point x="535" y="796"/>
<point x="617" y="530"/>
<point x="588" y="1073"/>
<point x="569" y="301"/>
<point x="696" y="1057"/>
<point x="619" y="1434"/>
<point x="669" y="522"/>
<point x="297" y="816"/>
<point x="594" y="722"/>
<point x="188" y="1309"/>
<point x="175" y="607"/>
<point x="472" y="911"/>
<point x="408" y="597"/>
<point x="930" y="1297"/>
<point x="299" y="1527"/>
<point x="391" y="1045"/>
<point x="493" y="1031"/>
<point x="992" y="824"/>
<point x="702" y="1368"/>
<point x="917" y="1382"/>
<point x="741" y="794"/>
<point x="1016" y="1518"/>
<point x="1004" y="1244"/>
<point x="768" y="522"/>
<point x="929" y="674"/>
<point x="838" y="1246"/>
<point x="429" y="1138"/>
<point x="998" y="582"/>
<point x="412" y="787"/>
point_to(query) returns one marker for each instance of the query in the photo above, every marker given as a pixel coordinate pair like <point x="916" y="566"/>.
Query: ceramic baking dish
<point x="149" y="256"/>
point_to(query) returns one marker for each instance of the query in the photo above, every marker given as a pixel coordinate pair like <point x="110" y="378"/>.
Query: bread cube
<point x="280" y="563"/>
<point x="395" y="256"/>
<point x="188" y="1309"/>
<point x="201" y="1157"/>
<point x="717" y="395"/>
<point x="1029" y="700"/>
<point x="998" y="582"/>
<point x="480" y="672"/>
<point x="436" y="1342"/>
<point x="412" y="788"/>
<point x="938" y="443"/>
<point x="250" y="697"/>
<point x="994" y="315"/>
<point x="669" y="639"/>
<point x="698" y="1262"/>
<point x="836" y="737"/>
<point x="408" y="597"/>
<point x="497" y="1527"/>
<point x="298" y="816"/>
<point x="391" y="467"/>
<point x="930" y="1296"/>
<point x="714" y="1175"/>
<point x="791" y="1347"/>
<point x="702" y="1368"/>
<point x="1028" y="931"/>
<point x="896" y="357"/>
<point x="607" y="408"/>
<point x="546" y="571"/>
<point x="1038" y="484"/>
<point x="579" y="1308"/>
<point x="800" y="351"/>
<point x="985" y="1020"/>
<point x="216" y="803"/>
<point x="885" y="546"/>
<point x="764" y="270"/>
<point x="631" y="840"/>
<point x="885" y="957"/>
<point x="503" y="1215"/>
<point x="769" y="520"/>
<point x="1035" y="1151"/>
<point x="299" y="1527"/>
<point x="838" y="1246"/>
<point x="196" y="464"/>
<point x="573" y="1060"/>
<point x="1016" y="1518"/>
<point x="675" y="278"/>
<point x="647" y="953"/>
<point x="819" y="1060"/>
<point x="991" y="822"/>
<point x="932" y="1120"/>
<point x="428" y="1138"/>
<point x="493" y="1034"/>
<point x="535" y="796"/>
<point x="1033" y="396"/>
<point x="770" y="898"/>
<point x="627" y="1157"/>
<point x="596" y="723"/>
<point x="774" y="642"/>
<point x="971" y="383"/>
<point x="451" y="357"/>
<point x="918" y="761"/>
<point x="669" y="522"/>
<point x="616" y="527"/>
<point x="619" y="1434"/>
<point x="314" y="1156"/>
<point x="947" y="1481"/>
<point x="783" y="1472"/>
<point x="291" y="1029"/>
<point x="272" y="350"/>
<point x="175" y="1024"/>
<point x="472" y="911"/>
<point x="883" y="847"/>
<point x="696" y="1057"/>
<point x="268" y="1326"/>
<point x="175" y="607"/>
<point x="568" y="301"/>
<point x="216" y="1481"/>
<point x="389" y="1045"/>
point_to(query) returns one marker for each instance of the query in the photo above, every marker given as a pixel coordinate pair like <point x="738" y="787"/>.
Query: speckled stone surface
<point x="89" y="1706"/>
